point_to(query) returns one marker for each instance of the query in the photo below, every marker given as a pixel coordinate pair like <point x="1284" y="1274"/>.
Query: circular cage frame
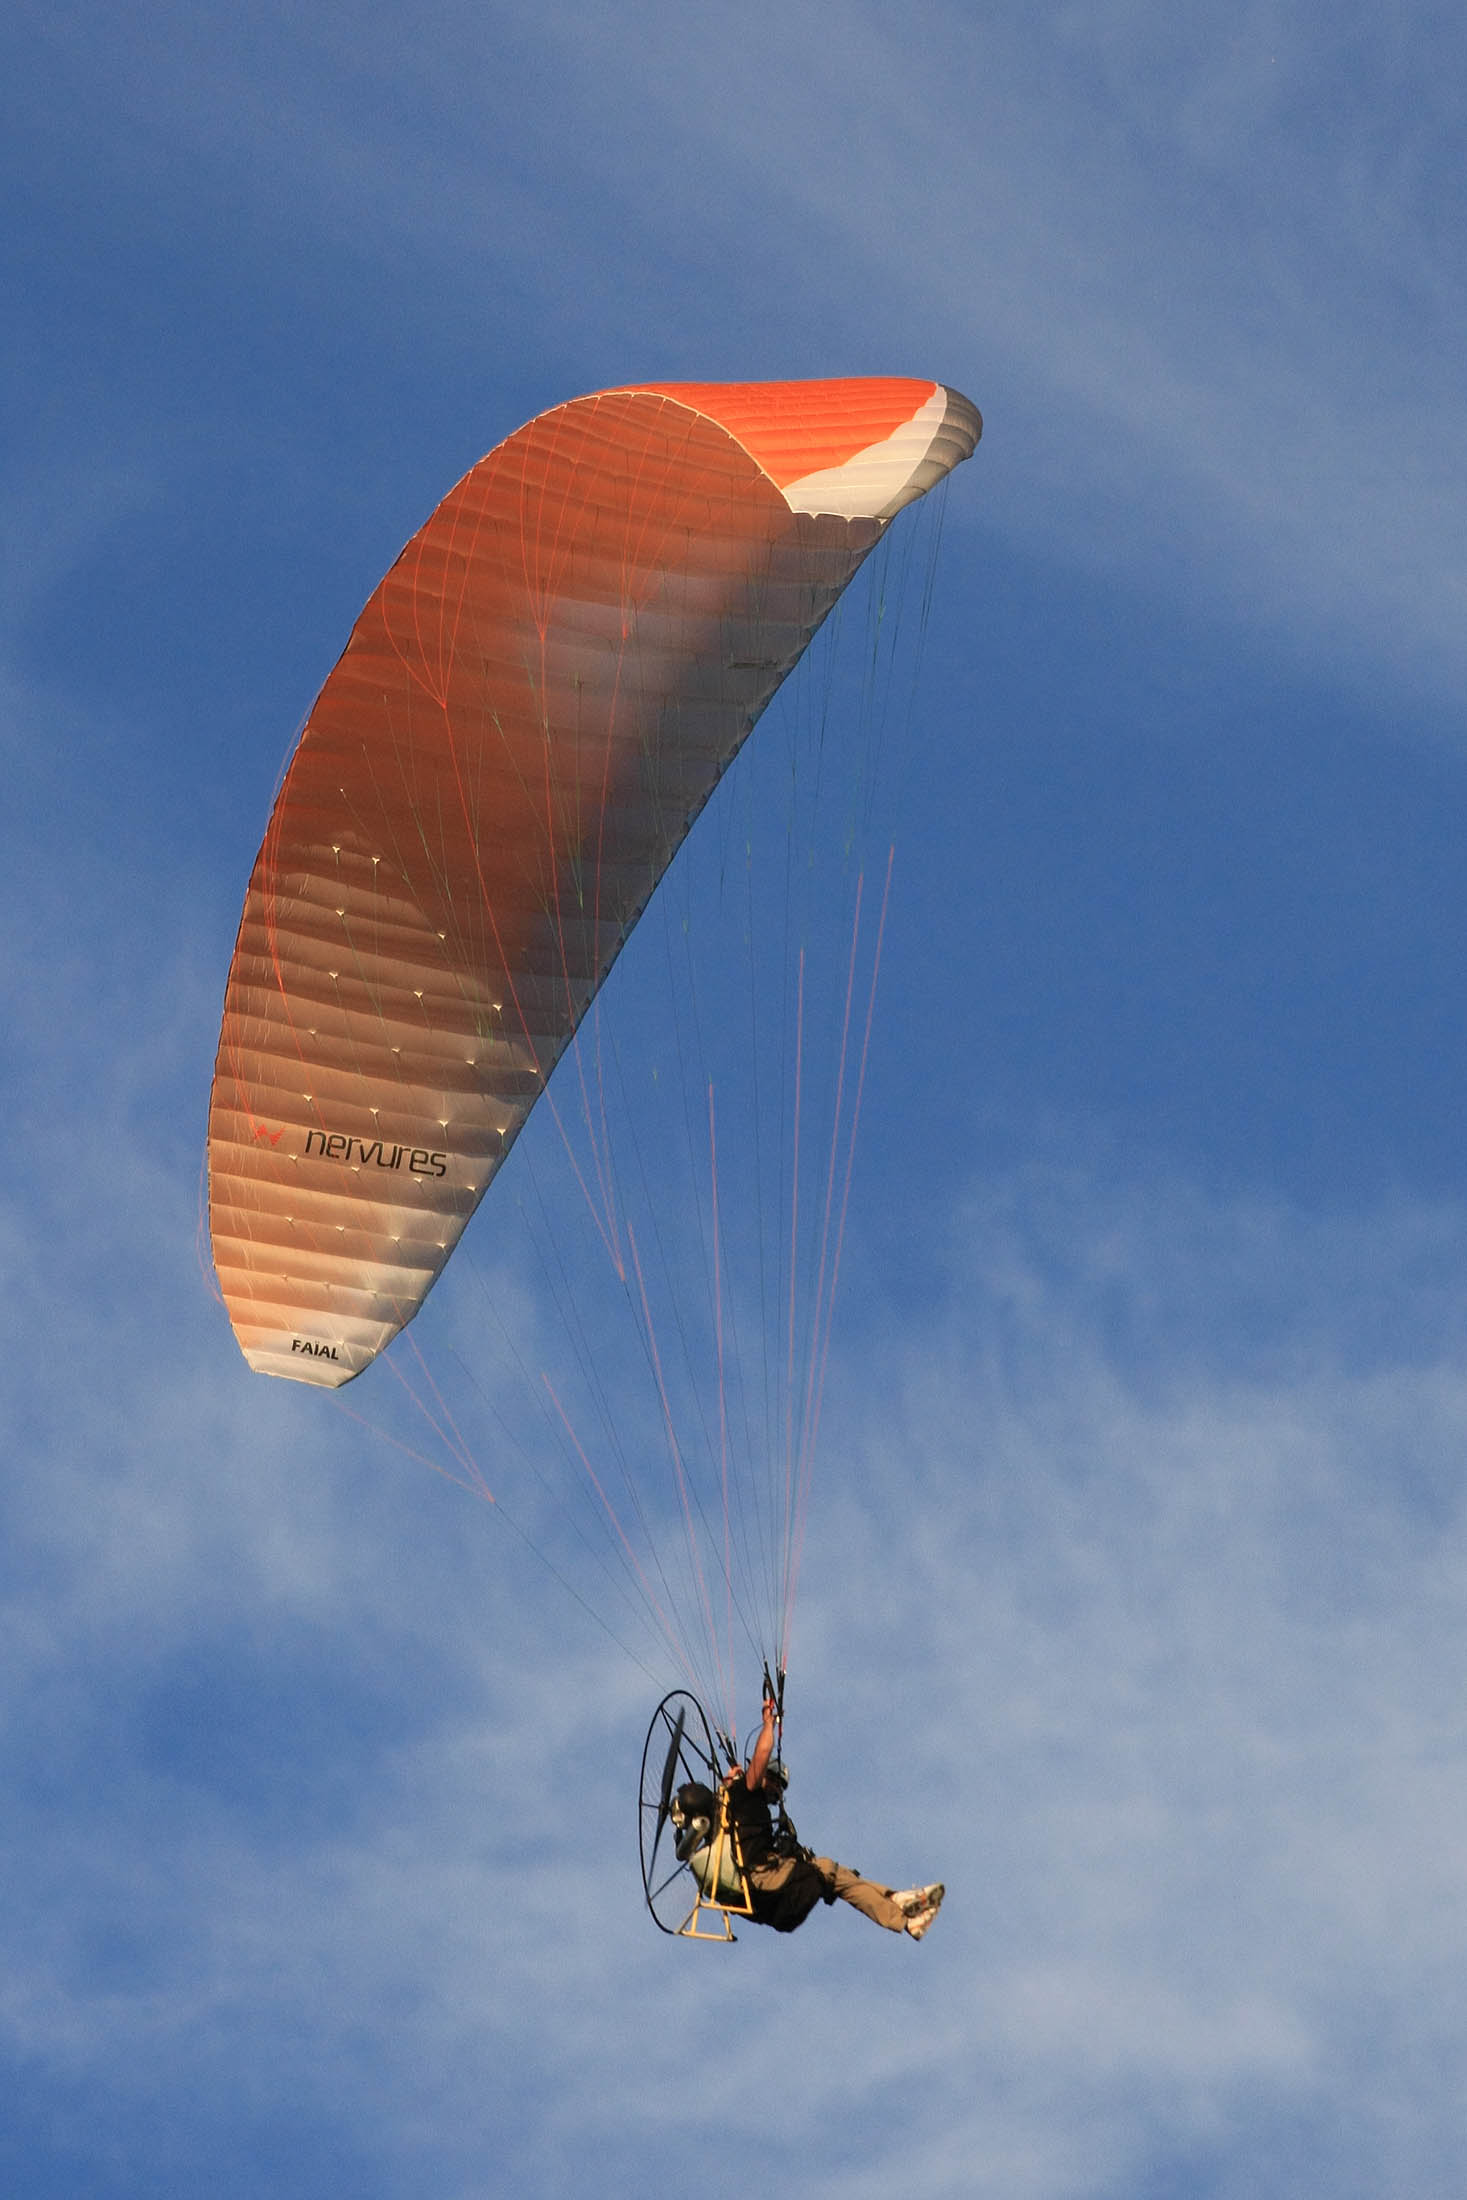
<point x="679" y="1747"/>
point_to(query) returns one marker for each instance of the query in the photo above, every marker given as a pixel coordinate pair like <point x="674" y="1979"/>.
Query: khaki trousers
<point x="877" y="1903"/>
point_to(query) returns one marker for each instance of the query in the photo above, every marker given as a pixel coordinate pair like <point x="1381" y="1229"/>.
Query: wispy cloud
<point x="1146" y="1642"/>
<point x="1201" y="276"/>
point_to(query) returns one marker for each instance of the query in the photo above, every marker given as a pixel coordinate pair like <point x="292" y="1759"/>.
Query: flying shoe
<point x="920" y="1906"/>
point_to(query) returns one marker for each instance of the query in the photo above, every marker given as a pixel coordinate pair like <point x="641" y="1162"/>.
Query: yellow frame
<point x="725" y="1847"/>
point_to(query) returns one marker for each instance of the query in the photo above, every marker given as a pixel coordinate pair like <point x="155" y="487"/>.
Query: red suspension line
<point x="722" y="1388"/>
<point x="844" y="1201"/>
<point x="665" y="1622"/>
<point x="789" y="1390"/>
<point x="806" y="1435"/>
<point x="689" y="1525"/>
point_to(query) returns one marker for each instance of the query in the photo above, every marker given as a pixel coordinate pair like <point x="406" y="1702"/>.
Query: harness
<point x="710" y="1843"/>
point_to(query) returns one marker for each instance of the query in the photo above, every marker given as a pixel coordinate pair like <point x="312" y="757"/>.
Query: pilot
<point x="785" y="1880"/>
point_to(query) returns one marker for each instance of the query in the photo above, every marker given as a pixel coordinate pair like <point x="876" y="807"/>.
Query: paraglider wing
<point x="531" y="710"/>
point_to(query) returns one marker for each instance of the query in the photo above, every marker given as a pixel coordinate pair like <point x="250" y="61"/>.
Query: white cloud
<point x="1150" y="1652"/>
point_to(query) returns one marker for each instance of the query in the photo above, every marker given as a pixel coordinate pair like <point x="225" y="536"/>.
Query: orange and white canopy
<point x="532" y="709"/>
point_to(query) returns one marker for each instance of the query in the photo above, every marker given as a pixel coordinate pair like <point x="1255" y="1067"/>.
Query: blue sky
<point x="1135" y="1595"/>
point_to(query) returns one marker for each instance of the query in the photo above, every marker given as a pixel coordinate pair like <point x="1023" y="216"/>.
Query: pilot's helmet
<point x="692" y="1800"/>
